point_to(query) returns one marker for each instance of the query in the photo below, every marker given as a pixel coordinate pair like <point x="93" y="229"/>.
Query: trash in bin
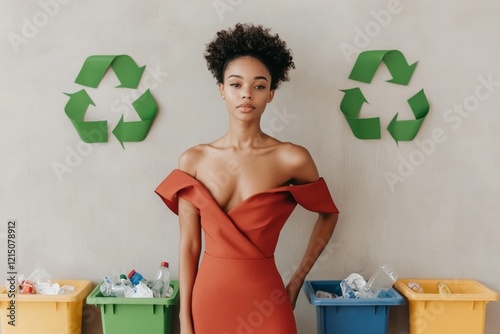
<point x="134" y="285"/>
<point x="352" y="285"/>
<point x="462" y="311"/>
<point x="137" y="315"/>
<point x="350" y="316"/>
<point x="40" y="282"/>
<point x="42" y="314"/>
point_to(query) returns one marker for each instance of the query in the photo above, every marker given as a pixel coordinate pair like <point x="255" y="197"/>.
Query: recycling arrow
<point x="364" y="70"/>
<point x="406" y="130"/>
<point x="129" y="75"/>
<point x="368" y="62"/>
<point x="90" y="132"/>
<point x="125" y="68"/>
<point x="363" y="128"/>
<point x="147" y="109"/>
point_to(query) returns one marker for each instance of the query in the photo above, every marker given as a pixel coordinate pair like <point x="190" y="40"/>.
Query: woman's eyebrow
<point x="240" y="77"/>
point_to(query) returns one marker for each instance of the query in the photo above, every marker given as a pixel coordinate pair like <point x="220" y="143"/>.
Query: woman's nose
<point x="247" y="93"/>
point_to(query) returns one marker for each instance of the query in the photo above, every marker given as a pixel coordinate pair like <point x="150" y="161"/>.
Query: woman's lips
<point x="245" y="107"/>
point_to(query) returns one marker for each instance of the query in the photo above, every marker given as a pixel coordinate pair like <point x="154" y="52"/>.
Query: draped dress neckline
<point x="242" y="202"/>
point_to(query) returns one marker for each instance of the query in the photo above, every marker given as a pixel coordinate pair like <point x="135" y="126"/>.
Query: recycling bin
<point x="42" y="314"/>
<point x="461" y="312"/>
<point x="137" y="315"/>
<point x="350" y="316"/>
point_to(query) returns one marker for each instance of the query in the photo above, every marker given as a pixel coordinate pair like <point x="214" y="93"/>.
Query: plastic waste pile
<point x="355" y="286"/>
<point x="134" y="285"/>
<point x="40" y="282"/>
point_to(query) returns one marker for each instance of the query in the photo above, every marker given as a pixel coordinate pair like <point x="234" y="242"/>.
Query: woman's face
<point x="246" y="88"/>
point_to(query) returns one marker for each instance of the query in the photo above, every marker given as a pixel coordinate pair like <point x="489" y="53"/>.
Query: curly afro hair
<point x="249" y="40"/>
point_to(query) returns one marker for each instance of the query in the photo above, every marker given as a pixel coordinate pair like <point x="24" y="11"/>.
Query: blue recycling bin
<point x="350" y="316"/>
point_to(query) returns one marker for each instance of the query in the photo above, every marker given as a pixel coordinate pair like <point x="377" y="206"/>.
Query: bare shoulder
<point x="191" y="158"/>
<point x="293" y="154"/>
<point x="298" y="162"/>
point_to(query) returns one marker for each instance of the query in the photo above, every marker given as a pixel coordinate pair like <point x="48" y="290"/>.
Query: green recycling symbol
<point x="364" y="70"/>
<point x="129" y="75"/>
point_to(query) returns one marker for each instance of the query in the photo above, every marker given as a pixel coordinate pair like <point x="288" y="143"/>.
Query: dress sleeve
<point x="180" y="184"/>
<point x="314" y="196"/>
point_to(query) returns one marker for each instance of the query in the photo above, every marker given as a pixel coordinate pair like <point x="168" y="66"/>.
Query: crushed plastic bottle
<point x="106" y="287"/>
<point x="382" y="280"/>
<point x="161" y="284"/>
<point x="443" y="288"/>
<point x="123" y="288"/>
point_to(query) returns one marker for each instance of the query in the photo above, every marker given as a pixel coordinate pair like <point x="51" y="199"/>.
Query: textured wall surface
<point x="429" y="206"/>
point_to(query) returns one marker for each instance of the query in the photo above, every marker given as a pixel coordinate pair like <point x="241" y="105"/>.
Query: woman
<point x="240" y="189"/>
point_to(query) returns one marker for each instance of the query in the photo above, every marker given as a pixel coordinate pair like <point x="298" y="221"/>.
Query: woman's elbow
<point x="329" y="217"/>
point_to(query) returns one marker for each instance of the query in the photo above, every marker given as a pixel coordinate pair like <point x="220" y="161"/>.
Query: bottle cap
<point x="164" y="264"/>
<point x="122" y="276"/>
<point x="132" y="273"/>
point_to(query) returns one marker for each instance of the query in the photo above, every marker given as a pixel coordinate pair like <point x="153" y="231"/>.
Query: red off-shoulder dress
<point x="238" y="288"/>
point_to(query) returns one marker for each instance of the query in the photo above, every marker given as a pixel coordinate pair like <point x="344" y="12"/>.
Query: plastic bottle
<point x="135" y="278"/>
<point x="123" y="288"/>
<point x="106" y="287"/>
<point x="140" y="285"/>
<point x="381" y="280"/>
<point x="124" y="280"/>
<point x="161" y="283"/>
<point x="443" y="288"/>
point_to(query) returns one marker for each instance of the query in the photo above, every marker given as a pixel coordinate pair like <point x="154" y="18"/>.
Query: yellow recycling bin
<point x="463" y="311"/>
<point x="42" y="314"/>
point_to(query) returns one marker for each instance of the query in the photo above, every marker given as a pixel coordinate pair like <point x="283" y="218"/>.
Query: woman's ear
<point x="271" y="96"/>
<point x="221" y="90"/>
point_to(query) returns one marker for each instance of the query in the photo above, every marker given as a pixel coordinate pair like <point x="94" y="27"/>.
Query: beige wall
<point x="438" y="217"/>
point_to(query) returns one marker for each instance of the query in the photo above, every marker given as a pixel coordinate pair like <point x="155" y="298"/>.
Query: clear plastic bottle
<point x="135" y="278"/>
<point x="123" y="288"/>
<point x="106" y="287"/>
<point x="140" y="285"/>
<point x="161" y="283"/>
<point x="443" y="288"/>
<point x="383" y="279"/>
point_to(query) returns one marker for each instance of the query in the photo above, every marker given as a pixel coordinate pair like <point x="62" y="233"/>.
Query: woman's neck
<point x="244" y="135"/>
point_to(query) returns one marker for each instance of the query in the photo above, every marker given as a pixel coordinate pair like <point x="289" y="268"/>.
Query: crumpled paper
<point x="352" y="285"/>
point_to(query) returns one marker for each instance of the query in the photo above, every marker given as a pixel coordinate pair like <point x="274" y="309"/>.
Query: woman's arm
<point x="189" y="255"/>
<point x="304" y="171"/>
<point x="189" y="245"/>
<point x="320" y="236"/>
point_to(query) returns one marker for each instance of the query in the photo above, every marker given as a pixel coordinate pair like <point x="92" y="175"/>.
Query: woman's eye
<point x="260" y="87"/>
<point x="235" y="85"/>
